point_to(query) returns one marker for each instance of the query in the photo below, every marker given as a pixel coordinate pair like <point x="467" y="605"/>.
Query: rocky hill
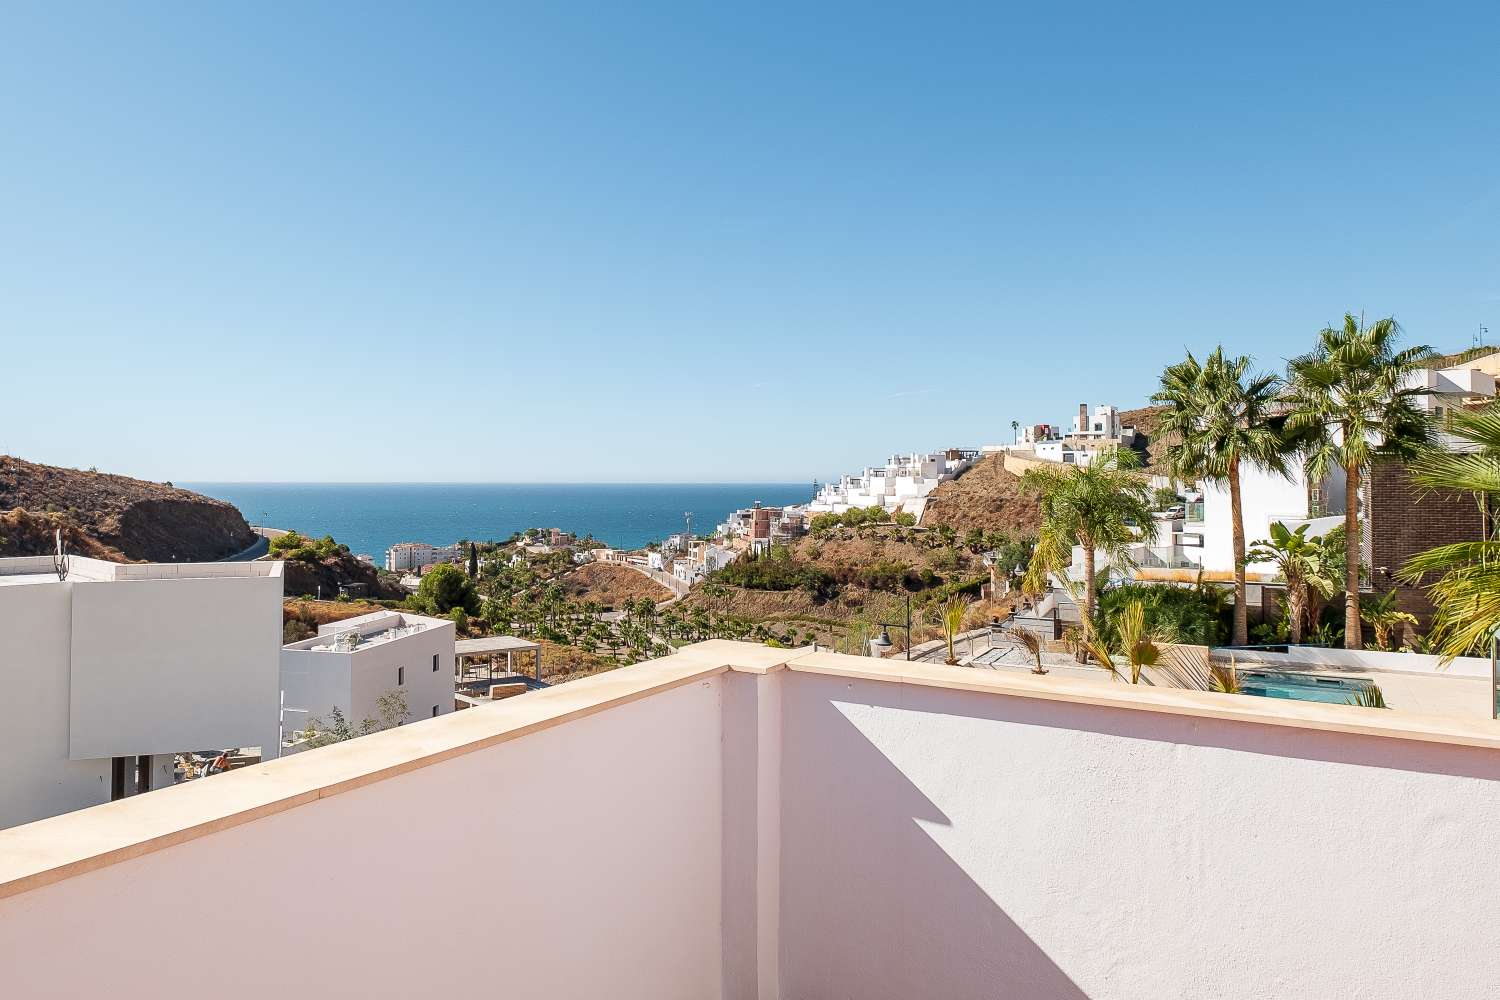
<point x="113" y="517"/>
<point x="987" y="497"/>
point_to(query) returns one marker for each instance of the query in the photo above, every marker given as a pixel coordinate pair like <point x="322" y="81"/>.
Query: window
<point x="434" y="711"/>
<point x="434" y="662"/>
<point x="400" y="676"/>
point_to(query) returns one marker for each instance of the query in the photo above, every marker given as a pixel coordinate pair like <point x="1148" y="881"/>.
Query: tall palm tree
<point x="1098" y="507"/>
<point x="1219" y="414"/>
<point x="1301" y="561"/>
<point x="1015" y="430"/>
<point x="1348" y="401"/>
<point x="1467" y="591"/>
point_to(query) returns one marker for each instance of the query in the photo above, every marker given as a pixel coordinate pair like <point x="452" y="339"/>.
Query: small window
<point x="434" y="662"/>
<point x="400" y="676"/>
<point x="434" y="711"/>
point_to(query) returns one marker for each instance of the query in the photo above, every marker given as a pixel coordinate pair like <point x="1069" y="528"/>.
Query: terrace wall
<point x="741" y="822"/>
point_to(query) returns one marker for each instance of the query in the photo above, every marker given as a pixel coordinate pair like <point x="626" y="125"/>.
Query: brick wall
<point x="1402" y="523"/>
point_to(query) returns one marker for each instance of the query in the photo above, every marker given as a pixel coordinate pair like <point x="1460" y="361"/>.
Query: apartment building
<point x="903" y="483"/>
<point x="113" y="669"/>
<point x="350" y="664"/>
<point x="406" y="556"/>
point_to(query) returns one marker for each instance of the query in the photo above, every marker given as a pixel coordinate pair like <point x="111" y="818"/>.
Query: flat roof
<point x="82" y="569"/>
<point x="493" y="644"/>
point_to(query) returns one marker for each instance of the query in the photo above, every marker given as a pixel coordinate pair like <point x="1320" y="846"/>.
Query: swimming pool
<point x="1301" y="687"/>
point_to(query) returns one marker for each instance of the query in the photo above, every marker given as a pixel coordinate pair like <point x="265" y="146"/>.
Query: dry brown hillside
<point x="985" y="497"/>
<point x="610" y="586"/>
<point x="113" y="517"/>
<point x="1147" y="421"/>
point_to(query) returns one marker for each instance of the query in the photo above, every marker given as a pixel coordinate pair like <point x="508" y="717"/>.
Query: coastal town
<point x="916" y="559"/>
<point x="706" y="502"/>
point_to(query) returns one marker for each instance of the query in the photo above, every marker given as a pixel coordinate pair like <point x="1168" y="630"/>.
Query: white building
<point x="903" y="483"/>
<point x="414" y="555"/>
<point x="350" y="664"/>
<point x="1202" y="536"/>
<point x="113" y="671"/>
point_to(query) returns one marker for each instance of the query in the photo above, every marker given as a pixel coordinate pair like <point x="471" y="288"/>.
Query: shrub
<point x="447" y="587"/>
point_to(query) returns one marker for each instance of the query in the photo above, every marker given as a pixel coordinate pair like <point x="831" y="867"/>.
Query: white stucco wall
<point x="97" y="668"/>
<point x="37" y="779"/>
<point x="580" y="861"/>
<point x="937" y="843"/>
<point x="161" y="666"/>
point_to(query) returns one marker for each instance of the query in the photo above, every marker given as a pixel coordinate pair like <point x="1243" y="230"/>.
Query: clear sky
<point x="716" y="242"/>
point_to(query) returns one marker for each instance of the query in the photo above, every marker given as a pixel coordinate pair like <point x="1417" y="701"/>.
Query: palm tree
<point x="1133" y="636"/>
<point x="1382" y="614"/>
<point x="1348" y="401"/>
<point x="952" y="612"/>
<point x="1096" y="506"/>
<point x="1301" y="562"/>
<point x="1015" y="429"/>
<point x="1467" y="591"/>
<point x="1219" y="416"/>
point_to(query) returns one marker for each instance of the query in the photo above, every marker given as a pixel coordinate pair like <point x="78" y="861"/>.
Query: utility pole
<point x="688" y="538"/>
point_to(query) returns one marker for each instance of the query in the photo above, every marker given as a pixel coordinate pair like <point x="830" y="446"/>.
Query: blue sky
<point x="639" y="242"/>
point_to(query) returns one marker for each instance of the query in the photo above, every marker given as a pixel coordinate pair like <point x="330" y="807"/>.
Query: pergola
<point x="488" y="647"/>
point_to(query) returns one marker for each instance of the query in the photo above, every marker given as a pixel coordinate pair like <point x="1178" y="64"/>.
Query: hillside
<point x="1147" y="420"/>
<point x="985" y="497"/>
<point x="611" y="586"/>
<point x="113" y="517"/>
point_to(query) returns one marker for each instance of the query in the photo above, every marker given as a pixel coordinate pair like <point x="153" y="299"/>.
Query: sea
<point x="371" y="517"/>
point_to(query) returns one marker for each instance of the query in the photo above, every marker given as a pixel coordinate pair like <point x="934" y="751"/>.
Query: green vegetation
<point x="1097" y="506"/>
<point x="299" y="548"/>
<point x="777" y="570"/>
<point x="1368" y="696"/>
<point x="952" y="615"/>
<point x="445" y="588"/>
<point x="1467" y="589"/>
<point x="856" y="517"/>
<point x="1168" y="613"/>
<point x="390" y="708"/>
<point x="1348" y="402"/>
<point x="1219" y="415"/>
<point x="1382" y="614"/>
<point x="1306" y="566"/>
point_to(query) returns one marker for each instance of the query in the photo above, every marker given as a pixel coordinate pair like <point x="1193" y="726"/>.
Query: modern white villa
<point x="110" y="670"/>
<point x="350" y="664"/>
<point x="903" y="483"/>
<point x="742" y="823"/>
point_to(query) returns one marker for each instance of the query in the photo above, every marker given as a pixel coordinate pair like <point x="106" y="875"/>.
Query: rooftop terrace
<point x="737" y="821"/>
<point x="80" y="569"/>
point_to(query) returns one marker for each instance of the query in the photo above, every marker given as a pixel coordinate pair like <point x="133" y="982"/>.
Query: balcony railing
<point x="741" y="822"/>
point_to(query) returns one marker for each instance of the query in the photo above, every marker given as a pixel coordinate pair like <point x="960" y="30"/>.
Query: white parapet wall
<point x="739" y="822"/>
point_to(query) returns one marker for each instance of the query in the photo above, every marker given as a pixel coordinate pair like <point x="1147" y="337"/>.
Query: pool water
<point x="1301" y="687"/>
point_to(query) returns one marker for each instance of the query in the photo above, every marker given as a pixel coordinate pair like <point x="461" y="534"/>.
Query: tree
<point x="1015" y="430"/>
<point x="444" y="588"/>
<point x="1219" y="415"/>
<point x="1382" y="614"/>
<point x="1467" y="589"/>
<point x="473" y="562"/>
<point x="1349" y="400"/>
<point x="1096" y="506"/>
<point x="952" y="613"/>
<point x="1302" y="563"/>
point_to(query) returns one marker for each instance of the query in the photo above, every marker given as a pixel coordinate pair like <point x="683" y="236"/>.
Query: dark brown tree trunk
<point x="1237" y="539"/>
<point x="1353" y="631"/>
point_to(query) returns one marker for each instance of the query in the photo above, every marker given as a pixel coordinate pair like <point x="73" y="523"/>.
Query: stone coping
<point x="53" y="849"/>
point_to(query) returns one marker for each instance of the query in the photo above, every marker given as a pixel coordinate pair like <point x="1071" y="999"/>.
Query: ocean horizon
<point x="371" y="517"/>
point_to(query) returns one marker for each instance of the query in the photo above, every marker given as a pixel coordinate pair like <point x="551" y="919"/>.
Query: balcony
<point x="735" y="821"/>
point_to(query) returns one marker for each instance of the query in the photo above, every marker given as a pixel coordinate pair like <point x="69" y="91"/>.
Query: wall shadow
<point x="851" y="820"/>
